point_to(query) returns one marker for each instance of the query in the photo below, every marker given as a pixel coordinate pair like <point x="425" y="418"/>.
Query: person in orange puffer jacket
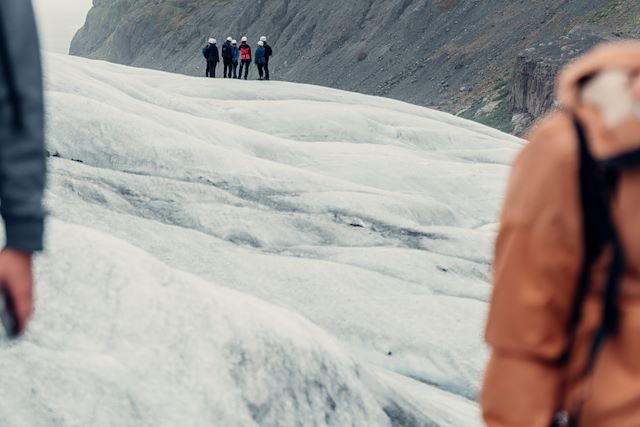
<point x="564" y="322"/>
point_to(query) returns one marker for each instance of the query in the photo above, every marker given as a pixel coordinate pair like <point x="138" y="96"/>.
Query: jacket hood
<point x="623" y="56"/>
<point x="606" y="139"/>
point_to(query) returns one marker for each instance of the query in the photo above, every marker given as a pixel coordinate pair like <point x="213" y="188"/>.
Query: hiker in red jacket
<point x="245" y="58"/>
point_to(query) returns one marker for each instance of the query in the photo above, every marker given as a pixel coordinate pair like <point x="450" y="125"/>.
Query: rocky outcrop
<point x="532" y="90"/>
<point x="536" y="69"/>
<point x="454" y="55"/>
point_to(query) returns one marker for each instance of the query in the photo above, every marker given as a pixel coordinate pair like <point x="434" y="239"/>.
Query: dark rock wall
<point x="533" y="86"/>
<point x="454" y="55"/>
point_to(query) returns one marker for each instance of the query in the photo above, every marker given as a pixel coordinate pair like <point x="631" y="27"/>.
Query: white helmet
<point x="260" y="43"/>
<point x="263" y="39"/>
<point x="244" y="39"/>
<point x="234" y="41"/>
<point x="229" y="39"/>
<point x="213" y="41"/>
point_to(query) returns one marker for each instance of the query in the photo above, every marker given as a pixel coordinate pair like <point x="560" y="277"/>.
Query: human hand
<point x="16" y="281"/>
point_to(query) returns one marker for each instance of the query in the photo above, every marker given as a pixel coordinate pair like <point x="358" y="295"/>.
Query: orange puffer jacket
<point x="539" y="256"/>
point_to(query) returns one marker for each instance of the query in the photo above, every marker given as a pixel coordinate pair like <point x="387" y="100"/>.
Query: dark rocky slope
<point x="488" y="60"/>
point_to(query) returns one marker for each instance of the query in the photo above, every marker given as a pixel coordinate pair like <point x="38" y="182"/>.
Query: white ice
<point x="250" y="253"/>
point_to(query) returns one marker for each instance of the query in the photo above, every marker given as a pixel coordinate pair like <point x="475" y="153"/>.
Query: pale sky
<point x="58" y="21"/>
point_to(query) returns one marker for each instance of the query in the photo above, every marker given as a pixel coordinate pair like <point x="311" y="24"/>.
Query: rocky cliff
<point x="481" y="59"/>
<point x="535" y="71"/>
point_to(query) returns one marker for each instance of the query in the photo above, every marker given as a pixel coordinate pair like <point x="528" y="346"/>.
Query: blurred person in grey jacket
<point x="22" y="155"/>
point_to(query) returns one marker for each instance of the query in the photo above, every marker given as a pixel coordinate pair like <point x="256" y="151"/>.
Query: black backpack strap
<point x="625" y="161"/>
<point x="597" y="185"/>
<point x="598" y="182"/>
<point x="593" y="215"/>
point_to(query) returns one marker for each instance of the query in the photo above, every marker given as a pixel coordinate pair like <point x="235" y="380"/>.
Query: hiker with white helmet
<point x="268" y="52"/>
<point x="245" y="58"/>
<point x="212" y="56"/>
<point x="235" y="57"/>
<point x="260" y="59"/>
<point x="227" y="57"/>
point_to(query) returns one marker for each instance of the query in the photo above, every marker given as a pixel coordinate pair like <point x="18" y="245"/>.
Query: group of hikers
<point x="234" y="55"/>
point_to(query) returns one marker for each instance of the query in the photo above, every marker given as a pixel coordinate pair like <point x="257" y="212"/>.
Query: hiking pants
<point x="261" y="70"/>
<point x="266" y="69"/>
<point x="234" y="64"/>
<point x="211" y="68"/>
<point x="244" y="65"/>
<point x="228" y="67"/>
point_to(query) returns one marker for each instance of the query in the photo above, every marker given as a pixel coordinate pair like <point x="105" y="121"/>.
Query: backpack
<point x="598" y="183"/>
<point x="260" y="56"/>
<point x="226" y="53"/>
<point x="268" y="51"/>
<point x="245" y="53"/>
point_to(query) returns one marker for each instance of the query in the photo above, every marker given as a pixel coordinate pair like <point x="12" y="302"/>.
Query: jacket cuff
<point x="24" y="234"/>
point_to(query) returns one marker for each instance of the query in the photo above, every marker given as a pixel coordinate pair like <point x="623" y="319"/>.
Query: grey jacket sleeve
<point x="22" y="147"/>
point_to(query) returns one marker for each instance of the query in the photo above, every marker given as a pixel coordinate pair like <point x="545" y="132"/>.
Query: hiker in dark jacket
<point x="22" y="154"/>
<point x="227" y="58"/>
<point x="235" y="57"/>
<point x="245" y="58"/>
<point x="268" y="54"/>
<point x="260" y="59"/>
<point x="211" y="55"/>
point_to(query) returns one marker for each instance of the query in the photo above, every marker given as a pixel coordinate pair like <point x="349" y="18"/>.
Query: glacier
<point x="234" y="253"/>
